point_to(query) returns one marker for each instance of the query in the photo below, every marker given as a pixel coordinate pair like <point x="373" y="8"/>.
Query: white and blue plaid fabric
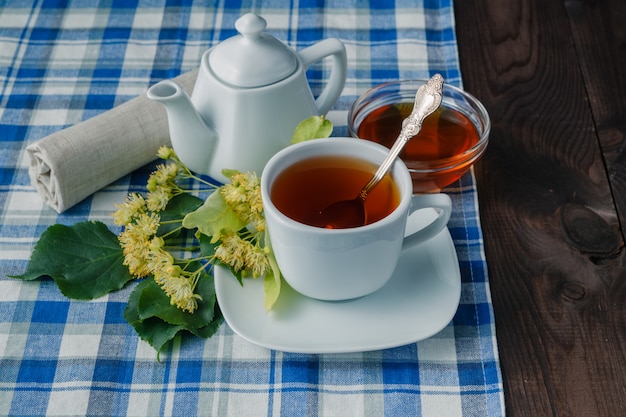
<point x="63" y="61"/>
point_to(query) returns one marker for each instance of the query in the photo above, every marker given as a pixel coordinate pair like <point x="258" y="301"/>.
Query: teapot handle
<point x="331" y="92"/>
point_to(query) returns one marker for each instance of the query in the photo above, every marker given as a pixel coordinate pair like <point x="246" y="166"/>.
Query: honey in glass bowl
<point x="450" y="141"/>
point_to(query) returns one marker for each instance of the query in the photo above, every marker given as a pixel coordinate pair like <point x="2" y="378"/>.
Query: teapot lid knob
<point x="250" y="25"/>
<point x="253" y="58"/>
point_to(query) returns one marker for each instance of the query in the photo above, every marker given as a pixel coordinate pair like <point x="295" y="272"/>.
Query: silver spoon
<point x="351" y="213"/>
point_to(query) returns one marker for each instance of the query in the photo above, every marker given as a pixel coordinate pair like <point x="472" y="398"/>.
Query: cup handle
<point x="439" y="202"/>
<point x="337" y="79"/>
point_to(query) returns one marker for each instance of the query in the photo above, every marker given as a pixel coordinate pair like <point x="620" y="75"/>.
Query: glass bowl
<point x="451" y="140"/>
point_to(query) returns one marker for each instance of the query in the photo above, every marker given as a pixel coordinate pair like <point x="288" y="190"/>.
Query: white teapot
<point x="250" y="94"/>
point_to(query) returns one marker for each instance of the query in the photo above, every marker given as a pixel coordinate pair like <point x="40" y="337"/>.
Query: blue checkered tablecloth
<point x="66" y="61"/>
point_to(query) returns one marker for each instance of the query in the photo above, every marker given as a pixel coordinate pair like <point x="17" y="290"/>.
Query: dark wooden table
<point x="552" y="194"/>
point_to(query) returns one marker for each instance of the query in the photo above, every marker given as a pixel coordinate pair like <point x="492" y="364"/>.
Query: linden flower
<point x="158" y="258"/>
<point x="165" y="272"/>
<point x="163" y="176"/>
<point x="137" y="265"/>
<point x="255" y="201"/>
<point x="259" y="223"/>
<point x="257" y="262"/>
<point x="233" y="195"/>
<point x="165" y="152"/>
<point x="132" y="207"/>
<point x="157" y="243"/>
<point x="181" y="293"/>
<point x="243" y="195"/>
<point x="170" y="277"/>
<point x="242" y="255"/>
<point x="135" y="243"/>
<point x="157" y="200"/>
<point x="241" y="187"/>
<point x="146" y="224"/>
<point x="177" y="287"/>
<point x="232" y="251"/>
<point x="256" y="210"/>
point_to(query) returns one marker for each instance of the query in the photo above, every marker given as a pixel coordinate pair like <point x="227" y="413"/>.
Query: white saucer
<point x="419" y="300"/>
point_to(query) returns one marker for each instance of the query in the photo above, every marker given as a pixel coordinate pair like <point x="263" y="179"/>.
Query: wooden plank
<point x="599" y="33"/>
<point x="553" y="241"/>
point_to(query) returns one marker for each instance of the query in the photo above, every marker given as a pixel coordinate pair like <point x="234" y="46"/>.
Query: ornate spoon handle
<point x="427" y="100"/>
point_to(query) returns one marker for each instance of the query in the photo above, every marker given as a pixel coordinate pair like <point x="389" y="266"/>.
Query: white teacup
<point x="340" y="264"/>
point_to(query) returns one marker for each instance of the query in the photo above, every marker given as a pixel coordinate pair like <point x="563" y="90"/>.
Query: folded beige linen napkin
<point x="69" y="165"/>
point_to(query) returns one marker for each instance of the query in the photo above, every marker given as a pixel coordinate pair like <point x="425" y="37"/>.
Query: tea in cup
<point x="341" y="263"/>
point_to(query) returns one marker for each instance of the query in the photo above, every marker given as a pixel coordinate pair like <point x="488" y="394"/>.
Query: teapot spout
<point x="192" y="138"/>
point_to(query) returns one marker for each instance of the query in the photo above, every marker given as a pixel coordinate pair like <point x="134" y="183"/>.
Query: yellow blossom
<point x="136" y="253"/>
<point x="233" y="195"/>
<point x="164" y="176"/>
<point x="135" y="242"/>
<point x="259" y="223"/>
<point x="177" y="287"/>
<point x="254" y="199"/>
<point x="137" y="265"/>
<point x="156" y="243"/>
<point x="159" y="261"/>
<point x="241" y="255"/>
<point x="241" y="187"/>
<point x="243" y="195"/>
<point x="132" y="207"/>
<point x="189" y="304"/>
<point x="146" y="224"/>
<point x="157" y="200"/>
<point x="232" y="251"/>
<point x="145" y="253"/>
<point x="181" y="293"/>
<point x="257" y="262"/>
<point x="165" y="152"/>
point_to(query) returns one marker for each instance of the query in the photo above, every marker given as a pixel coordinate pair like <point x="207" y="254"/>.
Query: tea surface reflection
<point x="306" y="188"/>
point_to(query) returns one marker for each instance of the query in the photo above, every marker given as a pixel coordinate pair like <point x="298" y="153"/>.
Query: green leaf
<point x="228" y="173"/>
<point x="156" y="332"/>
<point x="213" y="216"/>
<point x="271" y="283"/>
<point x="148" y="320"/>
<point x="153" y="330"/>
<point x="207" y="246"/>
<point x="177" y="209"/>
<point x="85" y="260"/>
<point x="210" y="329"/>
<point x="131" y="314"/>
<point x="312" y="128"/>
<point x="153" y="302"/>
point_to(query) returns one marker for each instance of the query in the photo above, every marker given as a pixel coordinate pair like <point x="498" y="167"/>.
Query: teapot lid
<point x="252" y="58"/>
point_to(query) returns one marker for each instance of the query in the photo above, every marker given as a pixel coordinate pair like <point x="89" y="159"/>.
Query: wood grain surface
<point x="552" y="194"/>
